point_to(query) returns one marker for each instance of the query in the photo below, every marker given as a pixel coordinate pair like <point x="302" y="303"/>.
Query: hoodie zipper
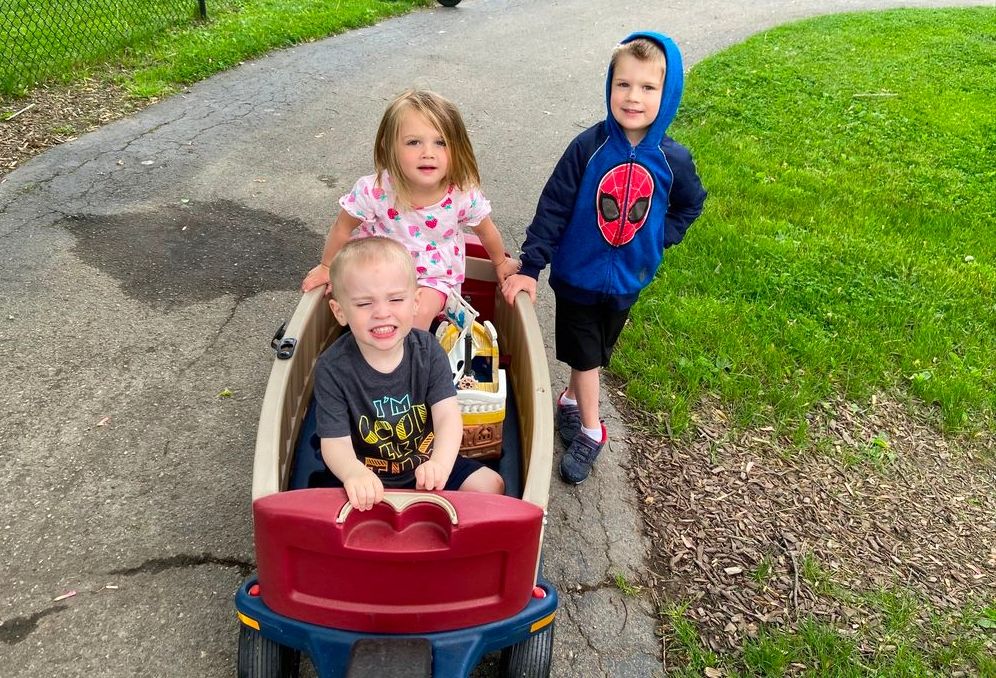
<point x="625" y="206"/>
<point x="613" y="253"/>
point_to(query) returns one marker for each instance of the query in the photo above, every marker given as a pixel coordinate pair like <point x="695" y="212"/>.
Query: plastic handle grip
<point x="402" y="500"/>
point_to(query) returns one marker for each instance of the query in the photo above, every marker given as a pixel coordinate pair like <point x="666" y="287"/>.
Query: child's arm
<point x="338" y="234"/>
<point x="491" y="239"/>
<point x="447" y="427"/>
<point x="687" y="196"/>
<point x="553" y="212"/>
<point x="362" y="485"/>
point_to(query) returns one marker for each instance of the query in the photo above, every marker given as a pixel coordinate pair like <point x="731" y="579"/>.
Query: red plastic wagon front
<point x="415" y="563"/>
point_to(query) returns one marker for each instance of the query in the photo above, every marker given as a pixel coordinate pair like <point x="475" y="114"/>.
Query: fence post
<point x="203" y="6"/>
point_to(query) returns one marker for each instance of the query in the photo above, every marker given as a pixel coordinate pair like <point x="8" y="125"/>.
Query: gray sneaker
<point x="568" y="421"/>
<point x="578" y="459"/>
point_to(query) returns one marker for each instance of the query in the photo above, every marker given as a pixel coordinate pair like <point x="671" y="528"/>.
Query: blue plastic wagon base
<point x="454" y="653"/>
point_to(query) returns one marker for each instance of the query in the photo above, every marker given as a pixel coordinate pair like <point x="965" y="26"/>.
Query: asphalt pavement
<point x="144" y="267"/>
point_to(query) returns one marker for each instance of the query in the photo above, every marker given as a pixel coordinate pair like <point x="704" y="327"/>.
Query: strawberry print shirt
<point x="433" y="234"/>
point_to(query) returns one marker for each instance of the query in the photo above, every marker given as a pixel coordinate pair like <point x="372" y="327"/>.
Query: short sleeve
<point x="473" y="207"/>
<point x="361" y="202"/>
<point x="440" y="376"/>
<point x="331" y="406"/>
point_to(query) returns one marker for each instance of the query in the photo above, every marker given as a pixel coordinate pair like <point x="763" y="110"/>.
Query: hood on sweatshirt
<point x="674" y="81"/>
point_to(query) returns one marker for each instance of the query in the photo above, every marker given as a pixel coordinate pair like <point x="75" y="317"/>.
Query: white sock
<point x="564" y="400"/>
<point x="593" y="433"/>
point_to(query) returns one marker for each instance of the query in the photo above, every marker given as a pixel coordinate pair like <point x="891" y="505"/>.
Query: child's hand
<point x="363" y="489"/>
<point x="319" y="275"/>
<point x="507" y="267"/>
<point x="518" y="283"/>
<point x="431" y="475"/>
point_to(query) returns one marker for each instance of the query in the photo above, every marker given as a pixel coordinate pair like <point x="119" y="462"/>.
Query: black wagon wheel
<point x="449" y="3"/>
<point x="530" y="658"/>
<point x="260" y="657"/>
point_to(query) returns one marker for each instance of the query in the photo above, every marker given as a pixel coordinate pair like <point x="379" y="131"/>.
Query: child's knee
<point x="484" y="480"/>
<point x="499" y="484"/>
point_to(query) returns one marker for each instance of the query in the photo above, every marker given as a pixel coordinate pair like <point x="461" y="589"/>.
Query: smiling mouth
<point x="383" y="330"/>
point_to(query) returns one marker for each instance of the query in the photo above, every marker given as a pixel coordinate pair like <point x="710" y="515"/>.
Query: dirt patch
<point x="750" y="532"/>
<point x="54" y="114"/>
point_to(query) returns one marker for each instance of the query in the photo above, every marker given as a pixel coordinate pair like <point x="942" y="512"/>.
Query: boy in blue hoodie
<point x="621" y="193"/>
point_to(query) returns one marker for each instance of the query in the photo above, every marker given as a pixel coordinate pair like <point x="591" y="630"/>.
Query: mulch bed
<point x="53" y="114"/>
<point x="913" y="512"/>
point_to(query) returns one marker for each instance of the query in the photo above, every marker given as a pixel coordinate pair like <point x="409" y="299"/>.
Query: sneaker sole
<point x="572" y="482"/>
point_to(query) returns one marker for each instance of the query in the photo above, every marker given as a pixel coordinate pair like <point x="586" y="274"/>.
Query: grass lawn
<point x="848" y="242"/>
<point x="816" y="649"/>
<point x="848" y="249"/>
<point x="45" y="37"/>
<point x="163" y="54"/>
<point x="242" y="29"/>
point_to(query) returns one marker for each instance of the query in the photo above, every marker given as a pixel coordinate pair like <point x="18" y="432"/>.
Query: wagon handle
<point x="402" y="500"/>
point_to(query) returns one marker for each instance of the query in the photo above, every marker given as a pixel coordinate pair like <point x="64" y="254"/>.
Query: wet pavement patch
<point x="180" y="254"/>
<point x="13" y="631"/>
<point x="185" y="561"/>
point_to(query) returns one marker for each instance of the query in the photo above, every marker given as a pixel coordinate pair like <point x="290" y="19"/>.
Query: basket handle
<point x="402" y="500"/>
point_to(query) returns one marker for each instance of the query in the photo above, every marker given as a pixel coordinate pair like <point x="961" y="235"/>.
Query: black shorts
<point x="587" y="333"/>
<point x="462" y="468"/>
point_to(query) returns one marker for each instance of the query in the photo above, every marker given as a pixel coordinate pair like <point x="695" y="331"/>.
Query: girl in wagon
<point x="425" y="190"/>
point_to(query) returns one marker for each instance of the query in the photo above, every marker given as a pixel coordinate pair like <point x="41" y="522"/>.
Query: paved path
<point x="144" y="267"/>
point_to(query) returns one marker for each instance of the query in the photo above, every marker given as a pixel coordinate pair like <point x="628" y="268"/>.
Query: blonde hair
<point x="365" y="251"/>
<point x="441" y="114"/>
<point x="643" y="49"/>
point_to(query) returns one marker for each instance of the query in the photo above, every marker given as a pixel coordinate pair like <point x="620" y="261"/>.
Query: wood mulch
<point x="885" y="504"/>
<point x="54" y="114"/>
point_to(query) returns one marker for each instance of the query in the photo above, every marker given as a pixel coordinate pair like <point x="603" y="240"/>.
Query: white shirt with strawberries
<point x="433" y="234"/>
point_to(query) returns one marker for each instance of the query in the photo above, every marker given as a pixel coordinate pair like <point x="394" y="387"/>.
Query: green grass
<point x="685" y="636"/>
<point x="848" y="244"/>
<point x="814" y="574"/>
<point x="764" y="570"/>
<point x="242" y="29"/>
<point x="159" y="58"/>
<point x="628" y="589"/>
<point x="876" y="453"/>
<point x="814" y="648"/>
<point x="55" y="38"/>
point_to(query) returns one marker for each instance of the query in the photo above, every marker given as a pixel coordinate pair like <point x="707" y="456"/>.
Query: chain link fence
<point x="42" y="38"/>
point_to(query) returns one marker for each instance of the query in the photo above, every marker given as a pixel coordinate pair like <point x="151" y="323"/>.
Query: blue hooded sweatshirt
<point x="610" y="208"/>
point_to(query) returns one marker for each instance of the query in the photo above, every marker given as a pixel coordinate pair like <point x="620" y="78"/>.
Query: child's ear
<point x="337" y="311"/>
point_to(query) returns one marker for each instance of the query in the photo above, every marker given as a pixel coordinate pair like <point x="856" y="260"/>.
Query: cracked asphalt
<point x="145" y="266"/>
